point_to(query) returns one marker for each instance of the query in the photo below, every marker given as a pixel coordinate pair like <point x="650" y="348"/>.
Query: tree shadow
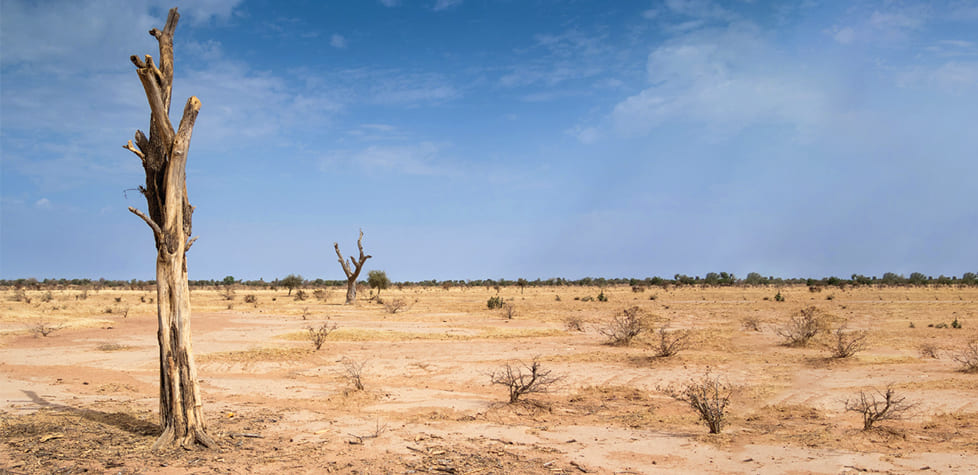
<point x="120" y="420"/>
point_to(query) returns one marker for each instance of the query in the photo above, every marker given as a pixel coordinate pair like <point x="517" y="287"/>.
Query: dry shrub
<point x="802" y="327"/>
<point x="301" y="295"/>
<point x="624" y="326"/>
<point x="111" y="347"/>
<point x="751" y="323"/>
<point x="708" y="396"/>
<point x="523" y="379"/>
<point x="321" y="295"/>
<point x="509" y="310"/>
<point x="252" y="299"/>
<point x="968" y="357"/>
<point x="228" y="293"/>
<point x="671" y="342"/>
<point x="20" y="296"/>
<point x="574" y="323"/>
<point x="848" y="343"/>
<point x="354" y="372"/>
<point x="879" y="406"/>
<point x="394" y="306"/>
<point x="928" y="350"/>
<point x="43" y="328"/>
<point x="318" y="335"/>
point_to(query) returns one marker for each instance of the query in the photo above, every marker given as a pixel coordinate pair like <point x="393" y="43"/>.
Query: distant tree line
<point x="712" y="279"/>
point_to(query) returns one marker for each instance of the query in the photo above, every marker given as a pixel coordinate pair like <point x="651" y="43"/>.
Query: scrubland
<point x="410" y="390"/>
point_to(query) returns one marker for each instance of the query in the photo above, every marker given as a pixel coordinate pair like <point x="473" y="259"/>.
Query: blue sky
<point x="488" y="139"/>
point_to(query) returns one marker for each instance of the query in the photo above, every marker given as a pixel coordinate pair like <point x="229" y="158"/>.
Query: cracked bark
<point x="169" y="215"/>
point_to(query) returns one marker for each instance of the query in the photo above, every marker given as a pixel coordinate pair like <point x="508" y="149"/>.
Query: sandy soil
<point x="84" y="398"/>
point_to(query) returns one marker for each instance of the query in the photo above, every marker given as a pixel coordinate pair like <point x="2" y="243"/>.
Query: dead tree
<point x="351" y="275"/>
<point x="164" y="157"/>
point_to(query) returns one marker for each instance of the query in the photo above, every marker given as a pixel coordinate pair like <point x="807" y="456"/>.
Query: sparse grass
<point x="256" y="354"/>
<point x="111" y="347"/>
<point x="489" y="333"/>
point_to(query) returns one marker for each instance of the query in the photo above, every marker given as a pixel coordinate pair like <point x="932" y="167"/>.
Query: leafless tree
<point x="523" y="379"/>
<point x="164" y="159"/>
<point x="354" y="272"/>
<point x="879" y="406"/>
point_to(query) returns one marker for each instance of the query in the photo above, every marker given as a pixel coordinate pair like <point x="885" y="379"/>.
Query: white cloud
<point x="701" y="9"/>
<point x="844" y="35"/>
<point x="337" y="41"/>
<point x="896" y="20"/>
<point x="445" y="4"/>
<point x="423" y="158"/>
<point x="951" y="76"/>
<point x="390" y="3"/>
<point x="201" y="11"/>
<point x="586" y="135"/>
<point x="43" y="203"/>
<point x="723" y="81"/>
<point x="566" y="56"/>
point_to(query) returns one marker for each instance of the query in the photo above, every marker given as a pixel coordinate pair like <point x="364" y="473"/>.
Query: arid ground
<point x="84" y="397"/>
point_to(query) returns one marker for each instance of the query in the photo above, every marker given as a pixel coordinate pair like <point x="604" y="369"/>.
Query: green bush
<point x="495" y="302"/>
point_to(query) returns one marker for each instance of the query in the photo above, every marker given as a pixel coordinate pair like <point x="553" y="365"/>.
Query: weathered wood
<point x="352" y="274"/>
<point x="164" y="158"/>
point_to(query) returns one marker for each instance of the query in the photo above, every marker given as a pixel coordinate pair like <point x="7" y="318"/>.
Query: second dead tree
<point x="352" y="274"/>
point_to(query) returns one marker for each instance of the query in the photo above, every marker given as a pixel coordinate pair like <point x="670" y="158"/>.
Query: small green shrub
<point x="494" y="302"/>
<point x="602" y="297"/>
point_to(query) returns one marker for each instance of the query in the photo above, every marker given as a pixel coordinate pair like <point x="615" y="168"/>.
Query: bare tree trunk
<point x="352" y="274"/>
<point x="164" y="158"/>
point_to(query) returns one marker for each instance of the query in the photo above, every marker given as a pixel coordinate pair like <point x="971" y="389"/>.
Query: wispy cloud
<point x="390" y="3"/>
<point x="721" y="80"/>
<point x="337" y="41"/>
<point x="555" y="58"/>
<point x="422" y="158"/>
<point x="445" y="4"/>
